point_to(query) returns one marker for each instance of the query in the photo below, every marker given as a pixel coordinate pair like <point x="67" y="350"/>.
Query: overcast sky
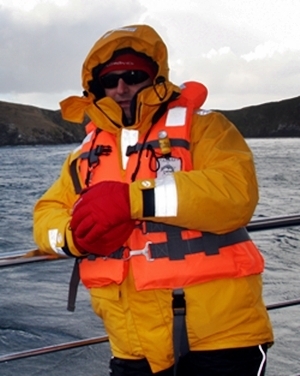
<point x="246" y="52"/>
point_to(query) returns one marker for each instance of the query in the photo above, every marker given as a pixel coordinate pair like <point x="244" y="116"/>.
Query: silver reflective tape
<point x="176" y="117"/>
<point x="85" y="140"/>
<point x="129" y="137"/>
<point x="165" y="196"/>
<point x="55" y="237"/>
<point x="263" y="360"/>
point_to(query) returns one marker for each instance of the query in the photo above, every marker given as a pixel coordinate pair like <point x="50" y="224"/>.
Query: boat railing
<point x="17" y="258"/>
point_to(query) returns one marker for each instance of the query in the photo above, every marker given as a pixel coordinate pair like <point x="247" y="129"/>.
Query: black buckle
<point x="178" y="303"/>
<point x="103" y="150"/>
<point x="131" y="150"/>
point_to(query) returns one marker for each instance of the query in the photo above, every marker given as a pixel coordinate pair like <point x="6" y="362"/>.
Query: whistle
<point x="164" y="143"/>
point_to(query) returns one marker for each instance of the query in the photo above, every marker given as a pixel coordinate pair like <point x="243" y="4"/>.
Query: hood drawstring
<point x="135" y="172"/>
<point x="160" y="80"/>
<point x="154" y="159"/>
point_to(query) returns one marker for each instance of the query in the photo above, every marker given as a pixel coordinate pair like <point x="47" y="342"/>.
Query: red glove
<point x="101" y="220"/>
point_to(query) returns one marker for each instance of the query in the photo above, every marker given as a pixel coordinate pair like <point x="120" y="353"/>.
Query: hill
<point x="29" y="125"/>
<point x="275" y="119"/>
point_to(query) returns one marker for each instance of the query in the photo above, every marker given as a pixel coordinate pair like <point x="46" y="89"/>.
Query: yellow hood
<point x="141" y="38"/>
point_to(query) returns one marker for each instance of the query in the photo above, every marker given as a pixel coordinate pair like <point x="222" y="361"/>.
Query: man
<point x="153" y="203"/>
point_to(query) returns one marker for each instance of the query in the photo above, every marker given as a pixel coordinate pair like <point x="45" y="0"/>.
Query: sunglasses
<point x="133" y="77"/>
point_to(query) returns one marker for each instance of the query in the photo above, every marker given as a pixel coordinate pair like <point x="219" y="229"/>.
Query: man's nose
<point x="122" y="86"/>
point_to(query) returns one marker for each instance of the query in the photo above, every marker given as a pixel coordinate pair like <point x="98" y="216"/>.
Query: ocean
<point x="33" y="297"/>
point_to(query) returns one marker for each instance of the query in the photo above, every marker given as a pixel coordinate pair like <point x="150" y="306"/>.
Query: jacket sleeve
<point x="220" y="193"/>
<point x="52" y="214"/>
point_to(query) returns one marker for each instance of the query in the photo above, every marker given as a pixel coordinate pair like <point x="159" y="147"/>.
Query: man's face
<point x="123" y="93"/>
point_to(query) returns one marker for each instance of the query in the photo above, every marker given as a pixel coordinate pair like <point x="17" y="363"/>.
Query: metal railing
<point x="17" y="258"/>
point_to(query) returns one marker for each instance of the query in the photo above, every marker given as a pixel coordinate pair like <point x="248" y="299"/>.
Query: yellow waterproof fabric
<point x="221" y="314"/>
<point x="142" y="39"/>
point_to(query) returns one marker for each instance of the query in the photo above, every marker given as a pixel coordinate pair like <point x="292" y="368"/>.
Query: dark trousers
<point x="248" y="361"/>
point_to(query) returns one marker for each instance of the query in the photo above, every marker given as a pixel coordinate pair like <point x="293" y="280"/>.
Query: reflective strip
<point x="129" y="137"/>
<point x="261" y="367"/>
<point x="55" y="237"/>
<point x="165" y="197"/>
<point x="85" y="140"/>
<point x="176" y="117"/>
<point x="129" y="29"/>
<point x="202" y="112"/>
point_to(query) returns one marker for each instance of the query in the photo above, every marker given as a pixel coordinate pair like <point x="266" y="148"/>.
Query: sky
<point x="246" y="52"/>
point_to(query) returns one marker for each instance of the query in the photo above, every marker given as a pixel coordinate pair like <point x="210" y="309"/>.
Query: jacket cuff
<point x="154" y="198"/>
<point x="70" y="248"/>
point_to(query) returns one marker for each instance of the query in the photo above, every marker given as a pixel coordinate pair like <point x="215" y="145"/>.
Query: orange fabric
<point x="234" y="261"/>
<point x="102" y="272"/>
<point x="110" y="168"/>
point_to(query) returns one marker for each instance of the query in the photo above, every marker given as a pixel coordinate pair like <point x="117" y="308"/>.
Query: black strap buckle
<point x="178" y="303"/>
<point x="131" y="149"/>
<point x="103" y="150"/>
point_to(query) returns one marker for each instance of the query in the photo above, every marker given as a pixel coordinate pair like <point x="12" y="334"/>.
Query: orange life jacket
<point x="161" y="256"/>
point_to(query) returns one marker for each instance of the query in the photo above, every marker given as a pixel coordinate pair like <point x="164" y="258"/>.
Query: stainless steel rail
<point x="53" y="348"/>
<point x="19" y="257"/>
<point x="96" y="340"/>
<point x="273" y="223"/>
<point x="15" y="258"/>
<point x="287" y="303"/>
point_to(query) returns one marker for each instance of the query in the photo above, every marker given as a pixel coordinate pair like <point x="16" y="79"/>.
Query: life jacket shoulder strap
<point x="192" y="94"/>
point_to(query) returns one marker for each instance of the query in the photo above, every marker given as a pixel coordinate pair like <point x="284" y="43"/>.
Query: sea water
<point x="33" y="296"/>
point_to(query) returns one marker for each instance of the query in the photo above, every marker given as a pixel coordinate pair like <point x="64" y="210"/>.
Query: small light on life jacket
<point x="164" y="143"/>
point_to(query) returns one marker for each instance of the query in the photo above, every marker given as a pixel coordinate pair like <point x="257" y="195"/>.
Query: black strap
<point x="75" y="276"/>
<point x="73" y="286"/>
<point x="94" y="154"/>
<point x="180" y="338"/>
<point x="175" y="248"/>
<point x="155" y="144"/>
<point x="75" y="177"/>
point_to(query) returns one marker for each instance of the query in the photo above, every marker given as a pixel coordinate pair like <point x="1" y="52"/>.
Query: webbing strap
<point x="75" y="177"/>
<point x="180" y="338"/>
<point x="73" y="286"/>
<point x="75" y="276"/>
<point x="175" y="142"/>
<point x="175" y="248"/>
<point x="94" y="154"/>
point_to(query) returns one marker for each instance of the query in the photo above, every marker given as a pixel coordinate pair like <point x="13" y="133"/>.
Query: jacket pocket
<point x="100" y="272"/>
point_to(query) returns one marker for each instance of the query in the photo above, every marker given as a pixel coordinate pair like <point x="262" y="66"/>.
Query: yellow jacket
<point x="222" y="186"/>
